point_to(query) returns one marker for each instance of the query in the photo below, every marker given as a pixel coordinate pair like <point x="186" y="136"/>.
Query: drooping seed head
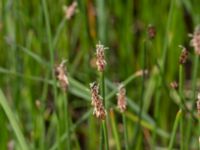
<point x="121" y="98"/>
<point x="61" y="75"/>
<point x="100" y="61"/>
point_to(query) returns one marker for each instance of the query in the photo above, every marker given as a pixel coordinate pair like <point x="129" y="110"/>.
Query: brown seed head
<point x="100" y="62"/>
<point x="184" y="55"/>
<point x="195" y="42"/>
<point x="61" y="75"/>
<point x="121" y="98"/>
<point x="151" y="31"/>
<point x="70" y="10"/>
<point x="198" y="103"/>
<point x="174" y="85"/>
<point x="99" y="110"/>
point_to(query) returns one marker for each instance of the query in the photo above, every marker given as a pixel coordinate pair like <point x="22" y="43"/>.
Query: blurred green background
<point x="29" y="39"/>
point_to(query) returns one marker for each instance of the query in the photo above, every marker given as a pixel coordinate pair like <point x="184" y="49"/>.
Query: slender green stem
<point x="125" y="132"/>
<point x="103" y="88"/>
<point x="58" y="31"/>
<point x="194" y="79"/>
<point x="156" y="115"/>
<point x="67" y="118"/>
<point x="194" y="76"/>
<point x="164" y="55"/>
<point x="13" y="122"/>
<point x="51" y="51"/>
<point x="105" y="130"/>
<point x="138" y="128"/>
<point x="101" y="138"/>
<point x="198" y="139"/>
<point x="166" y="40"/>
<point x="182" y="103"/>
<point x="114" y="129"/>
<point x="173" y="135"/>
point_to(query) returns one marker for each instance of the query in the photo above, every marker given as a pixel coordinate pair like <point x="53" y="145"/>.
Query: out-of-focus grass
<point x="26" y="66"/>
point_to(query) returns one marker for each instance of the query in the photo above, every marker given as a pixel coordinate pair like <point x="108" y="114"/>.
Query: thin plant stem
<point x="104" y="124"/>
<point x="138" y="127"/>
<point x="101" y="138"/>
<point x="51" y="51"/>
<point x="194" y="79"/>
<point x="182" y="104"/>
<point x="114" y="129"/>
<point x="175" y="126"/>
<point x="105" y="132"/>
<point x="156" y="115"/>
<point x="164" y="55"/>
<point x="125" y="132"/>
<point x="67" y="120"/>
<point x="13" y="122"/>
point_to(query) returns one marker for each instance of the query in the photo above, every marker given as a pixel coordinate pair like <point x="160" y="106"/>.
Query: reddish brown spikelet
<point x="99" y="110"/>
<point x="174" y="85"/>
<point x="184" y="55"/>
<point x="198" y="103"/>
<point x="151" y="30"/>
<point x="70" y="10"/>
<point x="61" y="75"/>
<point x="100" y="62"/>
<point x="121" y="98"/>
<point x="195" y="42"/>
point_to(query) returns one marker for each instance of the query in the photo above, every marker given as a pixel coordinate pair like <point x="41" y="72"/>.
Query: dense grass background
<point x="34" y="37"/>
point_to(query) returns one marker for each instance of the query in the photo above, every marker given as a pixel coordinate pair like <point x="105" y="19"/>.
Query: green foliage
<point x="35" y="36"/>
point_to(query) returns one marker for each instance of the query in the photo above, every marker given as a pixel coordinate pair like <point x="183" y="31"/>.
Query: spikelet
<point x="198" y="103"/>
<point x="70" y="10"/>
<point x="121" y="98"/>
<point x="195" y="42"/>
<point x="100" y="60"/>
<point x="184" y="55"/>
<point x="61" y="75"/>
<point x="151" y="31"/>
<point x="174" y="85"/>
<point x="99" y="110"/>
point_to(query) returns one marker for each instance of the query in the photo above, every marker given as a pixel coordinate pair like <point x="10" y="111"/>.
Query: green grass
<point x="35" y="37"/>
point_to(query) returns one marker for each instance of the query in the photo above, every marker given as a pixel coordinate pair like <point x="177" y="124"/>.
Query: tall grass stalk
<point x="66" y="118"/>
<point x="104" y="122"/>
<point x="194" y="80"/>
<point x="181" y="105"/>
<point x="175" y="127"/>
<point x="125" y="132"/>
<point x="161" y="77"/>
<point x="138" y="127"/>
<point x="13" y="122"/>
<point x="114" y="129"/>
<point x="51" y="52"/>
